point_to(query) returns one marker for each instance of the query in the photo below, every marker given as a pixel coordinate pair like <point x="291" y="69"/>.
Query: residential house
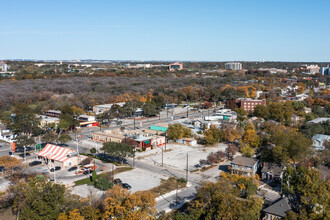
<point x="272" y="172"/>
<point x="277" y="210"/>
<point x="319" y="120"/>
<point x="244" y="166"/>
<point x="318" y="141"/>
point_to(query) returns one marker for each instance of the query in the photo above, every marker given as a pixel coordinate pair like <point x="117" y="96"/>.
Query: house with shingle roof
<point x="244" y="166"/>
<point x="277" y="210"/>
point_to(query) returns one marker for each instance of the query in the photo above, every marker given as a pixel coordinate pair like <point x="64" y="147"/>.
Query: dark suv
<point x="56" y="169"/>
<point x="126" y="186"/>
<point x="72" y="169"/>
<point x="35" y="163"/>
<point x="117" y="181"/>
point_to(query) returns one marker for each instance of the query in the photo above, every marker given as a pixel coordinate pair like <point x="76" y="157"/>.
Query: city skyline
<point x="185" y="31"/>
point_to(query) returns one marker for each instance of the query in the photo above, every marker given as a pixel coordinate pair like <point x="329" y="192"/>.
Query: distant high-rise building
<point x="233" y="66"/>
<point x="4" y="66"/>
<point x="325" y="71"/>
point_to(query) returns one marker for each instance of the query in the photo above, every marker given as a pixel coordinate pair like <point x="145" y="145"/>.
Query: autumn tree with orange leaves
<point x="121" y="204"/>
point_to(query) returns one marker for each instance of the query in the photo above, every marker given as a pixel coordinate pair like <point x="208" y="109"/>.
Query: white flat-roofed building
<point x="233" y="66"/>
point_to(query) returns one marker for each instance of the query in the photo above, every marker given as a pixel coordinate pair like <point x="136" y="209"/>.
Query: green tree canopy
<point x="178" y="131"/>
<point x="118" y="149"/>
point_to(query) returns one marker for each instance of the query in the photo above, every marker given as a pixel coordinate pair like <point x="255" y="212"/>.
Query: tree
<point x="92" y="150"/>
<point x="178" y="131"/>
<point x="49" y="137"/>
<point x="207" y="105"/>
<point x="118" y="149"/>
<point x="38" y="199"/>
<point x="231" y="150"/>
<point x="230" y="133"/>
<point x="149" y="109"/>
<point x="212" y="135"/>
<point x="68" y="118"/>
<point x="250" y="137"/>
<point x="24" y="140"/>
<point x="23" y="120"/>
<point x="241" y="114"/>
<point x="64" y="138"/>
<point x="121" y="204"/>
<point x="313" y="191"/>
<point x="261" y="111"/>
<point x="221" y="200"/>
<point x="289" y="146"/>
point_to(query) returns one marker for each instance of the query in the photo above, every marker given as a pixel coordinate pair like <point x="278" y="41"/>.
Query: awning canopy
<point x="54" y="152"/>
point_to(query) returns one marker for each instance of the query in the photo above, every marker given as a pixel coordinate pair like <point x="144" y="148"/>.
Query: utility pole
<point x="134" y="122"/>
<point x="187" y="111"/>
<point x="162" y="157"/>
<point x="77" y="148"/>
<point x="165" y="139"/>
<point x="134" y="156"/>
<point x="187" y="170"/>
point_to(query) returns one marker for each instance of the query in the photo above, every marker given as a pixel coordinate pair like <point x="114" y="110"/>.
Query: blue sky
<point x="209" y="30"/>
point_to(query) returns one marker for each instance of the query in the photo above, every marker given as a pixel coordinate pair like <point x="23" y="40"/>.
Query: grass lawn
<point x="89" y="182"/>
<point x="167" y="186"/>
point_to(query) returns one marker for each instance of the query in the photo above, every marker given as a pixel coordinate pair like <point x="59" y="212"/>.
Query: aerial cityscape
<point x="165" y="110"/>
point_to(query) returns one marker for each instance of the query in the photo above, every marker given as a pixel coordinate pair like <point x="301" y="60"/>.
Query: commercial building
<point x="46" y="120"/>
<point x="175" y="66"/>
<point x="109" y="136"/>
<point x="325" y="71"/>
<point x="249" y="104"/>
<point x="60" y="156"/>
<point x="4" y="66"/>
<point x="233" y="66"/>
<point x="313" y="69"/>
<point x="99" y="109"/>
<point x="53" y="113"/>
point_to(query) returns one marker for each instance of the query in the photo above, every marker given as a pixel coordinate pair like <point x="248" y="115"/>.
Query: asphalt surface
<point x="4" y="148"/>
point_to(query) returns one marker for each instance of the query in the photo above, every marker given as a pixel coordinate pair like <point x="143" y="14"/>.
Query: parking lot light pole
<point x="24" y="154"/>
<point x="162" y="156"/>
<point x="134" y="156"/>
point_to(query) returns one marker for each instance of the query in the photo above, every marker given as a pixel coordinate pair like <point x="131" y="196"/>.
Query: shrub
<point x="212" y="158"/>
<point x="103" y="184"/>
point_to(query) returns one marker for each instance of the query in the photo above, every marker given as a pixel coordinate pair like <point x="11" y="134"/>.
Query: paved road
<point x="4" y="148"/>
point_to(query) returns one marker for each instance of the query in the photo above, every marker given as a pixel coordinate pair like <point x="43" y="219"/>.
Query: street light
<point x="134" y="156"/>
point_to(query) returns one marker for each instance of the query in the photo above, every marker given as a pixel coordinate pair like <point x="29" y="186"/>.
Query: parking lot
<point x="177" y="157"/>
<point x="140" y="180"/>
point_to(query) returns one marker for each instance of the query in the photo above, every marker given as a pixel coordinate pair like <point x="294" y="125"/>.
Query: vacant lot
<point x="177" y="157"/>
<point x="140" y="180"/>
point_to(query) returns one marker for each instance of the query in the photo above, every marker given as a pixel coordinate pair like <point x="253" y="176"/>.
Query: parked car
<point x="35" y="163"/>
<point x="2" y="169"/>
<point x="126" y="186"/>
<point x="72" y="169"/>
<point x="19" y="149"/>
<point x="117" y="181"/>
<point x="26" y="154"/>
<point x="87" y="172"/>
<point x="29" y="148"/>
<point x="56" y="169"/>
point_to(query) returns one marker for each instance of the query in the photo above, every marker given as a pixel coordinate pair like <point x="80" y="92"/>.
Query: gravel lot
<point x="177" y="157"/>
<point x="140" y="180"/>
